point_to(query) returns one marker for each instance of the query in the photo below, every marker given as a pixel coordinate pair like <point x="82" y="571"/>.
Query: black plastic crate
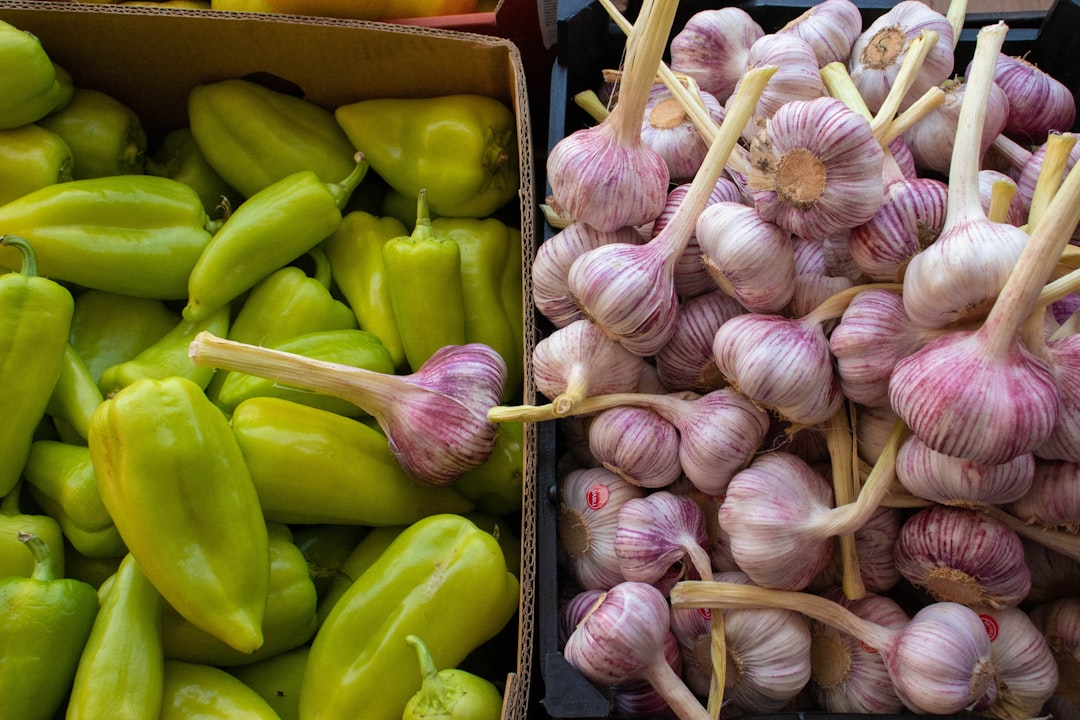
<point x="588" y="43"/>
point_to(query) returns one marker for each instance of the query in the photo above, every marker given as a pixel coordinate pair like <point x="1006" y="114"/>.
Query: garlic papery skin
<point x="1053" y="498"/>
<point x="434" y="419"/>
<point x="872" y="428"/>
<point x="815" y="281"/>
<point x="667" y="130"/>
<point x="878" y="53"/>
<point x="940" y="661"/>
<point x="712" y="48"/>
<point x="951" y="480"/>
<point x="1059" y="621"/>
<point x="686" y="362"/>
<point x="550" y="292"/>
<point x="1038" y="102"/>
<point x="629" y="290"/>
<point x="623" y="638"/>
<point x="656" y="532"/>
<point x="578" y="361"/>
<point x="874" y="543"/>
<point x="874" y="333"/>
<point x="748" y="257"/>
<point x="638" y="444"/>
<point x="816" y="168"/>
<point x="797" y="77"/>
<point x="780" y="363"/>
<point x="909" y="220"/>
<point x="1024" y="666"/>
<point x="1062" y="358"/>
<point x="963" y="555"/>
<point x="589" y="504"/>
<point x="848" y="676"/>
<point x="830" y="27"/>
<point x="1016" y="213"/>
<point x="574" y="609"/>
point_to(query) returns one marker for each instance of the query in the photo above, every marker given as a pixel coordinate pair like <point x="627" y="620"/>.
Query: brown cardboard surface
<point x="149" y="58"/>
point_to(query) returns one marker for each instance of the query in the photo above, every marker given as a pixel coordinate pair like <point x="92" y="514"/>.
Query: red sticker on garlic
<point x="867" y="648"/>
<point x="706" y="613"/>
<point x="597" y="496"/>
<point x="991" y="626"/>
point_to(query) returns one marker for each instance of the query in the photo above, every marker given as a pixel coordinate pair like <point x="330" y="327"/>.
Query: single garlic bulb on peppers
<point x="686" y="362"/>
<point x="435" y="419"/>
<point x="963" y="555"/>
<point x="950" y="480"/>
<point x="712" y="47"/>
<point x="939" y="662"/>
<point x="816" y="168"/>
<point x="1024" y="666"/>
<point x="638" y="444"/>
<point x="1053" y="497"/>
<point x="604" y="175"/>
<point x="830" y="28"/>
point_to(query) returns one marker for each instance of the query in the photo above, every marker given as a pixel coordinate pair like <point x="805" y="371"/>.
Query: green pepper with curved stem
<point x="173" y="478"/>
<point x="355" y="348"/>
<point x="28" y="86"/>
<point x="121" y="672"/>
<point x="61" y="479"/>
<point x="450" y="693"/>
<point x="444" y="579"/>
<point x="194" y="690"/>
<point x="14" y="560"/>
<point x="355" y="253"/>
<point x="179" y="157"/>
<point x="74" y="398"/>
<point x="461" y="148"/>
<point x="288" y="622"/>
<point x="269" y="230"/>
<point x="108" y="328"/>
<point x="423" y="274"/>
<point x="277" y="680"/>
<point x="31" y="157"/>
<point x="35" y="318"/>
<point x="106" y="137"/>
<point x="47" y="620"/>
<point x="255" y="136"/>
<point x="313" y="466"/>
<point x="168" y="356"/>
<point x="137" y="235"/>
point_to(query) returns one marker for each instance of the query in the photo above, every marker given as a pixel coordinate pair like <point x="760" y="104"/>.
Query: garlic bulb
<point x="848" y="676"/>
<point x="659" y="531"/>
<point x="815" y="281"/>
<point x="878" y="53"/>
<point x="589" y="504"/>
<point x="712" y="47"/>
<point x="748" y="257"/>
<point x="816" y="168"/>
<point x="1016" y="214"/>
<point x="1053" y="497"/>
<point x="1030" y="170"/>
<point x="638" y="444"/>
<point x="1059" y="622"/>
<point x="1039" y="103"/>
<point x="963" y="555"/>
<point x="550" y="292"/>
<point x="830" y="27"/>
<point x="1062" y="358"/>
<point x="872" y="428"/>
<point x="1053" y="575"/>
<point x="669" y="131"/>
<point x="909" y="220"/>
<point x="1024" y="666"/>
<point x="686" y="362"/>
<point x="951" y="480"/>
<point x="874" y="543"/>
<point x="797" y="76"/>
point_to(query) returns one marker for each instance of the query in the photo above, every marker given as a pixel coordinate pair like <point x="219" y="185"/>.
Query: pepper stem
<point x="321" y="272"/>
<point x="343" y="190"/>
<point x="432" y="689"/>
<point x="30" y="263"/>
<point x="43" y="565"/>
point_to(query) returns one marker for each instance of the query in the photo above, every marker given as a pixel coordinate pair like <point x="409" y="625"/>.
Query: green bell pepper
<point x="74" y="398"/>
<point x="450" y="694"/>
<point x="108" y="328"/>
<point x="313" y="466"/>
<point x="443" y="579"/>
<point x="173" y="478"/>
<point x="355" y="253"/>
<point x="168" y="357"/>
<point x="269" y="230"/>
<point x="193" y="690"/>
<point x="14" y="560"/>
<point x="255" y="136"/>
<point x="31" y="157"/>
<point x="288" y="622"/>
<point x="461" y="148"/>
<point x="363" y="555"/>
<point x="355" y="348"/>
<point x="28" y="86"/>
<point x="121" y="674"/>
<point x="106" y="137"/>
<point x="423" y="275"/>
<point x="137" y="235"/>
<point x="496" y="486"/>
<point x="277" y="680"/>
<point x="178" y="157"/>
<point x="60" y="478"/>
<point x="47" y="621"/>
<point x="35" y="319"/>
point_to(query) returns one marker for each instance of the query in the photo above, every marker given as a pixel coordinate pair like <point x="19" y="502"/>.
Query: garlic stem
<point x="589" y="101"/>
<point x="838" y="437"/>
<point x="914" y="57"/>
<point x="914" y="112"/>
<point x="1001" y="195"/>
<point x="1051" y="172"/>
<point x="1066" y="543"/>
<point x="955" y="14"/>
<point x="1013" y="152"/>
<point x="645" y="49"/>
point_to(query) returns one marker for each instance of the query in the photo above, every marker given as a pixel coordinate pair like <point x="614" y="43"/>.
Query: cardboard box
<point x="149" y="58"/>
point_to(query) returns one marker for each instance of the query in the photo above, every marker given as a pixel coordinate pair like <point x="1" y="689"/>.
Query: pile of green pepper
<point x="178" y="541"/>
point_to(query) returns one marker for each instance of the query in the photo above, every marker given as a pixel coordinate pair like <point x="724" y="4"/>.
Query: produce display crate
<point x="588" y="43"/>
<point x="149" y="58"/>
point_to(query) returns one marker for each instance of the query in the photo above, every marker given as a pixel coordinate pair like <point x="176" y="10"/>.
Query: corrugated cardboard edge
<point x="73" y="18"/>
